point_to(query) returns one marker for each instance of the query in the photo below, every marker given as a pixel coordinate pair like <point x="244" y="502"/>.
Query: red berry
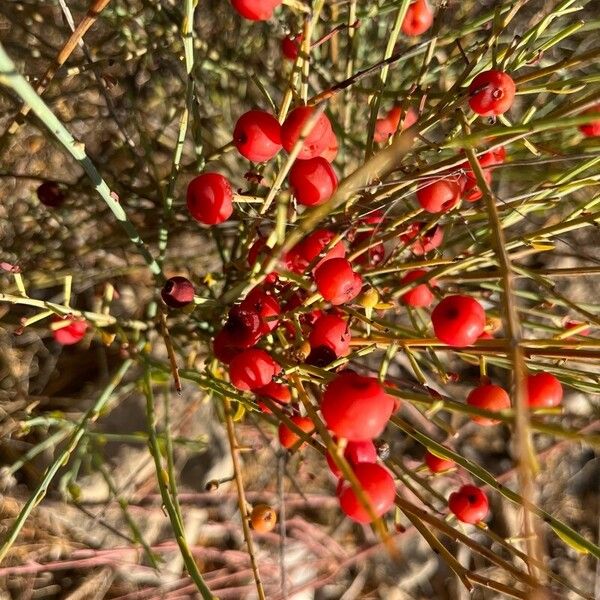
<point x="209" y="198"/>
<point x="252" y="369"/>
<point x="306" y="251"/>
<point x="437" y="464"/>
<point x="420" y="295"/>
<point x="388" y="125"/>
<point x="332" y="148"/>
<point x="374" y="255"/>
<point x="257" y="136"/>
<point x="337" y="282"/>
<point x="378" y="486"/>
<point x="486" y="335"/>
<point x="591" y="129"/>
<point x="469" y="504"/>
<point x="245" y="327"/>
<point x="255" y="10"/>
<point x="425" y="240"/>
<point x="317" y="139"/>
<point x="356" y="407"/>
<point x="458" y="320"/>
<point x="265" y="305"/>
<point x="313" y="245"/>
<point x="287" y="437"/>
<point x="355" y="453"/>
<point x="439" y="196"/>
<point x="177" y="292"/>
<point x="490" y="397"/>
<point x="470" y="190"/>
<point x="491" y="93"/>
<point x="290" y="46"/>
<point x="278" y="392"/>
<point x="225" y="347"/>
<point x="331" y="331"/>
<point x="71" y="331"/>
<point x="50" y="194"/>
<point x="543" y="390"/>
<point x="313" y="181"/>
<point x="418" y="19"/>
<point x="574" y="324"/>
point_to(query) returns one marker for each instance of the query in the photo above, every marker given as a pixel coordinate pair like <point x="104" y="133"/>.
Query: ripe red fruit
<point x="265" y="305"/>
<point x="252" y="369"/>
<point x="255" y="10"/>
<point x="591" y="129"/>
<point x="209" y="198"/>
<point x="337" y="282"/>
<point x="418" y="19"/>
<point x="225" y="346"/>
<point x="356" y="407"/>
<point x="303" y="253"/>
<point x="420" y="295"/>
<point x="543" y="390"/>
<point x="331" y="331"/>
<point x="439" y="196"/>
<point x="574" y="324"/>
<point x="257" y="136"/>
<point x="244" y="326"/>
<point x="177" y="292"/>
<point x="378" y="486"/>
<point x="287" y="437"/>
<point x="458" y="320"/>
<point x="491" y="93"/>
<point x="315" y="142"/>
<point x="313" y="181"/>
<point x="332" y="148"/>
<point x="374" y="255"/>
<point x="469" y="504"/>
<point x="355" y="453"/>
<point x="71" y="331"/>
<point x="290" y="46"/>
<point x="278" y="392"/>
<point x="388" y="125"/>
<point x="50" y="194"/>
<point x="425" y="240"/>
<point x="470" y="189"/>
<point x="437" y="464"/>
<point x="489" y="397"/>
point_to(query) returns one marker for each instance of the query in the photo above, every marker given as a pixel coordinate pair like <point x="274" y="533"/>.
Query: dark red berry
<point x="290" y="46"/>
<point x="356" y="407"/>
<point x="337" y="282"/>
<point x="209" y="198"/>
<point x="491" y="93"/>
<point x="265" y="305"/>
<point x="50" y="194"/>
<point x="257" y="136"/>
<point x="313" y="181"/>
<point x="225" y="346"/>
<point x="458" y="320"/>
<point x="592" y="129"/>
<point x="177" y="292"/>
<point x="244" y="326"/>
<point x="469" y="504"/>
